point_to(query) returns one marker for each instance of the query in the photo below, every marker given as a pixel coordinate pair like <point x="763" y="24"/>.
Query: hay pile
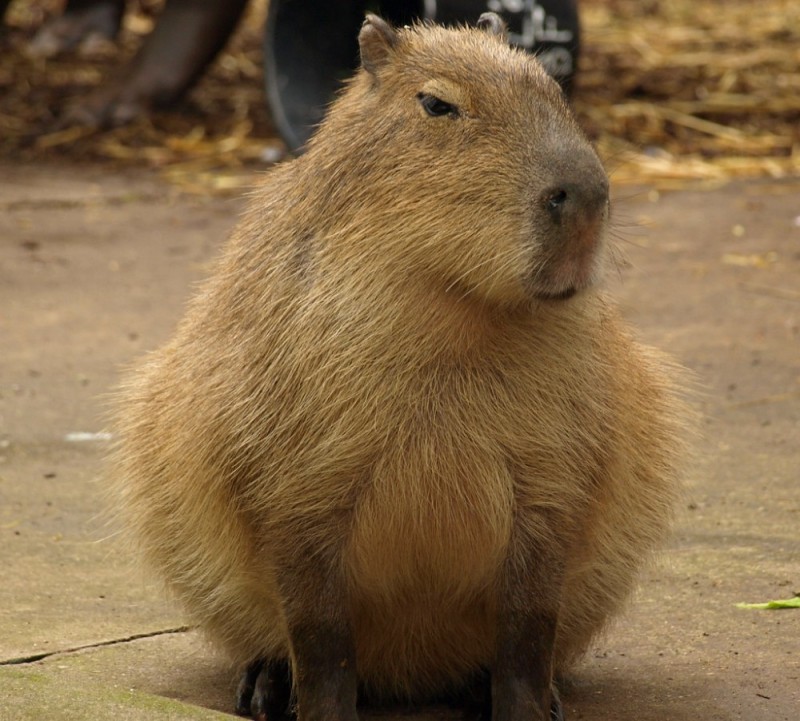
<point x="677" y="90"/>
<point x="672" y="91"/>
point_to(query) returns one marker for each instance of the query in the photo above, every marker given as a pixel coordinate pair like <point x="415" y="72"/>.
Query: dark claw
<point x="556" y="710"/>
<point x="265" y="690"/>
<point x="247" y="685"/>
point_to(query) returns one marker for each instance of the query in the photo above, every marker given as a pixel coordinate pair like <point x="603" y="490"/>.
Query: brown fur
<point x="374" y="379"/>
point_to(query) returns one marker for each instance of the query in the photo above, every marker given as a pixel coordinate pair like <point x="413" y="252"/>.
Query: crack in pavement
<point x="112" y="642"/>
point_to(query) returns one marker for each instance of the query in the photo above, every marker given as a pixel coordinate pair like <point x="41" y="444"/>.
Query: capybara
<point x="402" y="437"/>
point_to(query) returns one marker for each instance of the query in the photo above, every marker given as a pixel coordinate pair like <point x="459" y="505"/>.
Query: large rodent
<point x="400" y="436"/>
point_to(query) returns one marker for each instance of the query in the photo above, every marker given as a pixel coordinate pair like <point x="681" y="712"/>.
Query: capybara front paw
<point x="265" y="690"/>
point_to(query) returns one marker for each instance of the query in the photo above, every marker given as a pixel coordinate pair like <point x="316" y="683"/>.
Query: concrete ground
<point x="95" y="266"/>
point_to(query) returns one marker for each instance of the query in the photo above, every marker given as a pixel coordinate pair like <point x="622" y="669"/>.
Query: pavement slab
<point x="95" y="268"/>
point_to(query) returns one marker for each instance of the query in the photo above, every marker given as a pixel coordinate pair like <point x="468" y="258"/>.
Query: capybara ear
<point x="375" y="41"/>
<point x="492" y="23"/>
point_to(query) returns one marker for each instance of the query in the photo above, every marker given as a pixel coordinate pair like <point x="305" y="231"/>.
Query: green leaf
<point x="769" y="605"/>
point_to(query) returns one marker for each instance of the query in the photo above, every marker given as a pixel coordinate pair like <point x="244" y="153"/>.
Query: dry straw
<point x="672" y="92"/>
<point x="677" y="90"/>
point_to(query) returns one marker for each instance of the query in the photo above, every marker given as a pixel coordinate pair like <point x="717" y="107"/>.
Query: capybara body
<point x="400" y="435"/>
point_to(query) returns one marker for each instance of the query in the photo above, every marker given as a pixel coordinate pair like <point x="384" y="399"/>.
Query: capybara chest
<point x="437" y="514"/>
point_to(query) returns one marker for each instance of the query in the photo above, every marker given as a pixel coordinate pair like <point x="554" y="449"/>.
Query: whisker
<point x="468" y="271"/>
<point x="512" y="258"/>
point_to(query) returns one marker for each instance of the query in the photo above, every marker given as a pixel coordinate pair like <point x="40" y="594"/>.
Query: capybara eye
<point x="436" y="107"/>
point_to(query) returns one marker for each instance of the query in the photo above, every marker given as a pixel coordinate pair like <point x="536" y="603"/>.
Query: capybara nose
<point x="576" y="202"/>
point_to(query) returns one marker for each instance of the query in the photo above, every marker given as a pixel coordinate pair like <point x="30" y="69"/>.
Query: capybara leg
<point x="314" y="597"/>
<point x="324" y="664"/>
<point x="522" y="679"/>
<point x="265" y="690"/>
<point x="530" y="598"/>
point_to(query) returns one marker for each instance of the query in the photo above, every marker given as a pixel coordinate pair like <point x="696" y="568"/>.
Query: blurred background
<point x="672" y="92"/>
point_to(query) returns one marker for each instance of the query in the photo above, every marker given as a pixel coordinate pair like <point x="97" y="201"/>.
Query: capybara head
<point x="458" y="156"/>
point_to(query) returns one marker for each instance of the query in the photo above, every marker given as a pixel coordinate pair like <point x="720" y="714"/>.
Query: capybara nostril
<point x="555" y="200"/>
<point x="584" y="200"/>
